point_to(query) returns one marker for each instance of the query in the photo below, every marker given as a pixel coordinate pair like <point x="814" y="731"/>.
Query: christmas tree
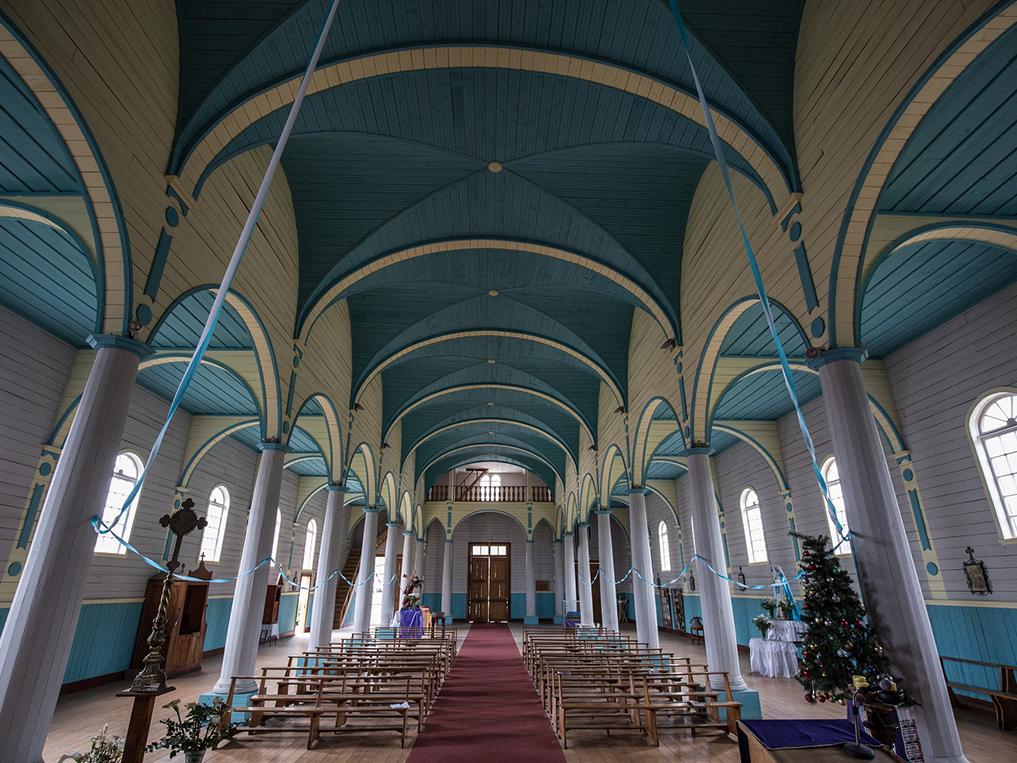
<point x="839" y="644"/>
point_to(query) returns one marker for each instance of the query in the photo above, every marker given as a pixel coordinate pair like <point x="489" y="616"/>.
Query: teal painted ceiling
<point x="214" y="390"/>
<point x="231" y="48"/>
<point x="183" y="324"/>
<point x="763" y="396"/>
<point x="34" y="157"/>
<point x="48" y="277"/>
<point x="397" y="161"/>
<point x="916" y="289"/>
<point x="962" y="159"/>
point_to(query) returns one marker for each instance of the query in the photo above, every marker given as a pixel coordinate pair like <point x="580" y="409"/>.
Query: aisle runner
<point x="487" y="709"/>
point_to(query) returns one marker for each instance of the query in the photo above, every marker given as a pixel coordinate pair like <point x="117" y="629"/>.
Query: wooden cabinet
<point x="272" y="598"/>
<point x="672" y="607"/>
<point x="185" y="623"/>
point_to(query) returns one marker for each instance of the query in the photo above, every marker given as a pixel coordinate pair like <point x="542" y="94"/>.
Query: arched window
<point x="215" y="530"/>
<point x="126" y="472"/>
<point x="310" y="538"/>
<point x="275" y="537"/>
<point x="752" y="521"/>
<point x="832" y="477"/>
<point x="993" y="428"/>
<point x="665" y="548"/>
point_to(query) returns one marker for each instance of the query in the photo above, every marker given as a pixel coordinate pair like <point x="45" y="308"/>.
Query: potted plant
<point x="763" y="623"/>
<point x="103" y="750"/>
<point x="201" y="729"/>
<point x="769" y="606"/>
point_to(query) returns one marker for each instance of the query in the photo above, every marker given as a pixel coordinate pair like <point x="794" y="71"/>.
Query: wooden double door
<point x="490" y="578"/>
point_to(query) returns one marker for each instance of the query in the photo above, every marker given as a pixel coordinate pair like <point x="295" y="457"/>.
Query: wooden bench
<point x="345" y="697"/>
<point x="1003" y="698"/>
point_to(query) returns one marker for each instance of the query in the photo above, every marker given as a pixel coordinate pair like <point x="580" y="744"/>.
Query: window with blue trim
<point x="993" y="428"/>
<point x="665" y="546"/>
<point x="215" y="530"/>
<point x="752" y="522"/>
<point x="310" y="538"/>
<point x="831" y="475"/>
<point x="126" y="471"/>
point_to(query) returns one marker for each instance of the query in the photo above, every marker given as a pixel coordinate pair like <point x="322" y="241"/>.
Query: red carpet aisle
<point x="487" y="709"/>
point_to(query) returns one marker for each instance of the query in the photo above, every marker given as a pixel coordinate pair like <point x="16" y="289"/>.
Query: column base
<point x="531" y="620"/>
<point x="749" y="698"/>
<point x="239" y="699"/>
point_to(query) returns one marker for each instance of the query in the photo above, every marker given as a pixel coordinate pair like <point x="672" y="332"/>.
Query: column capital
<point x="602" y="512"/>
<point x="263" y="446"/>
<point x="699" y="450"/>
<point x="105" y="341"/>
<point x="449" y="540"/>
<point x="410" y="533"/>
<point x="334" y="487"/>
<point x="857" y="354"/>
<point x="371" y="510"/>
<point x="638" y="489"/>
<point x="390" y="523"/>
<point x="529" y="540"/>
<point x="584" y="525"/>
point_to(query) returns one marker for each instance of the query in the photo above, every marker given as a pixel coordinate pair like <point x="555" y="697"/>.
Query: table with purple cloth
<point x="411" y="623"/>
<point x="791" y="741"/>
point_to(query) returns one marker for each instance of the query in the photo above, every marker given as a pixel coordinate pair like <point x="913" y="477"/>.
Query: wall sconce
<point x="741" y="576"/>
<point x="692" y="581"/>
<point x="976" y="574"/>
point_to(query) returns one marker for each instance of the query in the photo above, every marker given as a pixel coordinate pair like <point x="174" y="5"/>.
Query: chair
<point x="696" y="629"/>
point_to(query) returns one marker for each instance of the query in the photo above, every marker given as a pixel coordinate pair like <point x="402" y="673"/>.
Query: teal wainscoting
<point x="288" y="611"/>
<point x="104" y="640"/>
<point x="693" y="608"/>
<point x="988" y="634"/>
<point x="517" y="606"/>
<point x="545" y="605"/>
<point x="217" y="619"/>
<point x="432" y="601"/>
<point x="459" y="606"/>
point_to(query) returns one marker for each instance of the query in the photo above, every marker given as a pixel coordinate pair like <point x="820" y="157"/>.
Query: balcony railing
<point x="491" y="494"/>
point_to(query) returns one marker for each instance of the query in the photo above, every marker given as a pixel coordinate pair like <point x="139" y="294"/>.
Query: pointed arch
<point x="650" y="432"/>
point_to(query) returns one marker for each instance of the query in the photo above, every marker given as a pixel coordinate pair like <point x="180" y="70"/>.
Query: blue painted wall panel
<point x="217" y="618"/>
<point x="104" y="640"/>
<point x="288" y="612"/>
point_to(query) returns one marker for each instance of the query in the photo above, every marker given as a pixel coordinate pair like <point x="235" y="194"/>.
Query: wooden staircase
<point x="344" y="591"/>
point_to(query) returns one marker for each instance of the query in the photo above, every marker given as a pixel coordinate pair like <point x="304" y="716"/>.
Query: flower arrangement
<point x="103" y="750"/>
<point x="202" y="728"/>
<point x="763" y="623"/>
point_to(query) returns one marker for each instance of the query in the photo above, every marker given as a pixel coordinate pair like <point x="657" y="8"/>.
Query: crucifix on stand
<point x="151" y="680"/>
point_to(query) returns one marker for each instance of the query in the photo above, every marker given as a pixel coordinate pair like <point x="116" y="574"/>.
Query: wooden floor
<point x="80" y="715"/>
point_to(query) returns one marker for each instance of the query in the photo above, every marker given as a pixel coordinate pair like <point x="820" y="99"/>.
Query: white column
<point x="559" y="580"/>
<point x="715" y="592"/>
<point x="530" y="617"/>
<point x="248" y="607"/>
<point x="37" y="637"/>
<point x="330" y="559"/>
<point x="585" y="584"/>
<point x="883" y="559"/>
<point x="418" y="562"/>
<point x="391" y="582"/>
<point x="642" y="588"/>
<point x="365" y="581"/>
<point x="608" y="591"/>
<point x="569" y="570"/>
<point x="407" y="572"/>
<point x="446" y="581"/>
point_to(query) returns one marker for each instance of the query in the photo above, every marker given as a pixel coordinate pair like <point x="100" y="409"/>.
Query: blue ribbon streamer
<point x="784" y="582"/>
<point x="757" y="276"/>
<point x="266" y="561"/>
<point x="220" y="298"/>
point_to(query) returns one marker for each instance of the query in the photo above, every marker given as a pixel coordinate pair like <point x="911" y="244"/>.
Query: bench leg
<point x="1006" y="713"/>
<point x="314" y="732"/>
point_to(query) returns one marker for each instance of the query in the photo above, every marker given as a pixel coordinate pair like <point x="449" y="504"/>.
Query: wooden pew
<point x="1002" y="695"/>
